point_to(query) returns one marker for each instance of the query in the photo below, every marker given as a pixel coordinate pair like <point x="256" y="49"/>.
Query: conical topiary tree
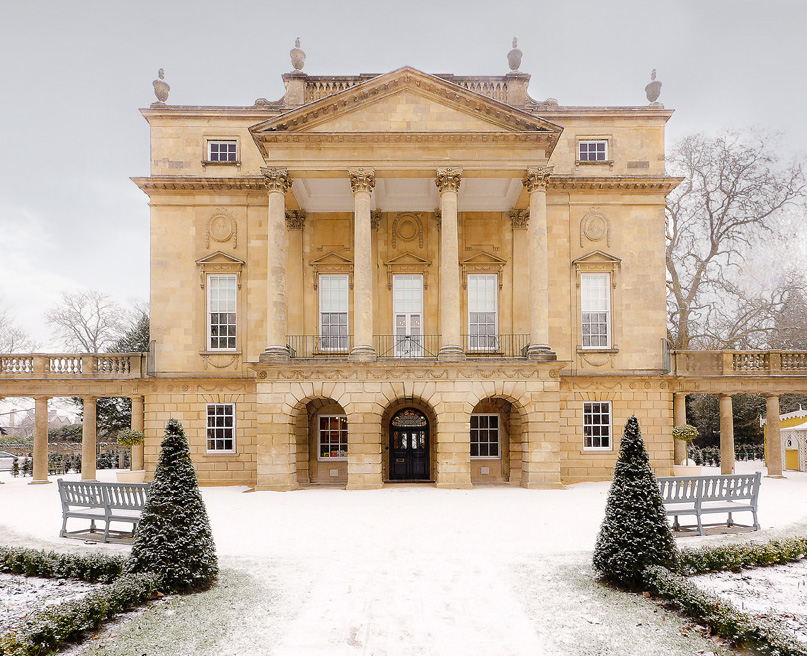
<point x="634" y="533"/>
<point x="173" y="539"/>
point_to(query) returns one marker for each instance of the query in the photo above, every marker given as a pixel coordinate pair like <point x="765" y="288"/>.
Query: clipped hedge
<point x="735" y="557"/>
<point x="96" y="567"/>
<point x="721" y="616"/>
<point x="43" y="632"/>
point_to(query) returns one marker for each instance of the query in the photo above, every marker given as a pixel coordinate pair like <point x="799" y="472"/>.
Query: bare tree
<point x="733" y="193"/>
<point x="87" y="321"/>
<point x="13" y="338"/>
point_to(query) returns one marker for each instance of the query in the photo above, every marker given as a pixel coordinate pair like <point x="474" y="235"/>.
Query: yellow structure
<point x="406" y="277"/>
<point x="793" y="426"/>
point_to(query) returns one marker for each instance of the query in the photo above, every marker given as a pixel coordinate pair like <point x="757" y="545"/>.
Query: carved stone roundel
<point x="407" y="229"/>
<point x="220" y="229"/>
<point x="595" y="228"/>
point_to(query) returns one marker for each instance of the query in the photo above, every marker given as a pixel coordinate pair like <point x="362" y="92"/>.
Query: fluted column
<point x="88" y="432"/>
<point x="726" y="435"/>
<point x="774" y="434"/>
<point x="137" y="424"/>
<point x="448" y="182"/>
<point x="362" y="182"/>
<point x="40" y="455"/>
<point x="277" y="183"/>
<point x="535" y="182"/>
<point x="679" y="419"/>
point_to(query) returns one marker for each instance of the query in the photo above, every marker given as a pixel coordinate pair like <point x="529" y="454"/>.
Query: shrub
<point x="721" y="616"/>
<point x="129" y="437"/>
<point x="94" y="567"/>
<point x="634" y="533"/>
<point x="735" y="557"/>
<point x="173" y="539"/>
<point x="44" y="631"/>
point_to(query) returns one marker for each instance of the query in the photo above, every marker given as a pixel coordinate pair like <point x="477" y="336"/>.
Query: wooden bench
<point x="105" y="502"/>
<point x="704" y="495"/>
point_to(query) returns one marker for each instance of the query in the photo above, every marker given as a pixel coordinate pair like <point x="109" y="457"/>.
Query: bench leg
<point x="730" y="523"/>
<point x="700" y="525"/>
<point x="92" y="526"/>
<point x="676" y="525"/>
<point x="63" y="532"/>
<point x="756" y="521"/>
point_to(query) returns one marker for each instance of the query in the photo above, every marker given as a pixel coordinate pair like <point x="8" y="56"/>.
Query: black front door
<point x="409" y="446"/>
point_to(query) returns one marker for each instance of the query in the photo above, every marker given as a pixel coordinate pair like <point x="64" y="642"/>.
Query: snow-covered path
<point x="399" y="571"/>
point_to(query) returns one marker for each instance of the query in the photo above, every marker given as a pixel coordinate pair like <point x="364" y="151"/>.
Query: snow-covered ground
<point x="779" y="593"/>
<point x="400" y="571"/>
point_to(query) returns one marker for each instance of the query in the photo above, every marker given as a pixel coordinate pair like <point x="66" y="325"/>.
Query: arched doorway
<point x="409" y="446"/>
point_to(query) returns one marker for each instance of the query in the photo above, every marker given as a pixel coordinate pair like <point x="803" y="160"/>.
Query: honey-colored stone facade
<point x="407" y="174"/>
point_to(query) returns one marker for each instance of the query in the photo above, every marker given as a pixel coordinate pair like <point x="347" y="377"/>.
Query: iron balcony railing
<point x="407" y="346"/>
<point x="495" y="346"/>
<point x="422" y="347"/>
<point x="319" y="346"/>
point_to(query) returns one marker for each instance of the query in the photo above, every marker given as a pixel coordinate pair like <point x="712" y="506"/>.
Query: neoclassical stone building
<point x="407" y="277"/>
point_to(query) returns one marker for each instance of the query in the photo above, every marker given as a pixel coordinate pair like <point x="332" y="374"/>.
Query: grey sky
<point x="75" y="74"/>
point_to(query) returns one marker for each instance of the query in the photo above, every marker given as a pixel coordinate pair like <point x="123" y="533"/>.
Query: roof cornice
<point x="627" y="182"/>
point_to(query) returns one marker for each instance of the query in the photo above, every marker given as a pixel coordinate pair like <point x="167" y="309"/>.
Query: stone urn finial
<point x="514" y="56"/>
<point x="297" y="56"/>
<point x="653" y="89"/>
<point x="161" y="87"/>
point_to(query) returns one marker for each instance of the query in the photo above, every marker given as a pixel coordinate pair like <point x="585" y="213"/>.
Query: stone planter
<point x="136" y="476"/>
<point x="686" y="470"/>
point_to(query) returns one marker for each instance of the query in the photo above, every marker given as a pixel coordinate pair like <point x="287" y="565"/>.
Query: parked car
<point x="6" y="460"/>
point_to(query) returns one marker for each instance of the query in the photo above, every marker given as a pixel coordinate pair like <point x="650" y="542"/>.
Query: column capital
<point x="295" y="219"/>
<point x="520" y="219"/>
<point x="276" y="179"/>
<point x="361" y="179"/>
<point x="537" y="178"/>
<point x="448" y="179"/>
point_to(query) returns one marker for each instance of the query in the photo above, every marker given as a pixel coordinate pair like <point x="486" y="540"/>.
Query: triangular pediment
<point x="597" y="257"/>
<point x="484" y="259"/>
<point x="406" y="101"/>
<point x="220" y="257"/>
<point x="407" y="258"/>
<point x="331" y="258"/>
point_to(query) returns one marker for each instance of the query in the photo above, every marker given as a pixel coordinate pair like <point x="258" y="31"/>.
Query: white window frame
<point x="229" y="142"/>
<point x="487" y="430"/>
<point x="326" y="341"/>
<point x="493" y="339"/>
<point x="209" y="339"/>
<point x="588" y="415"/>
<point x="582" y="142"/>
<point x="227" y="432"/>
<point x="408" y="345"/>
<point x="343" y="428"/>
<point x="584" y="278"/>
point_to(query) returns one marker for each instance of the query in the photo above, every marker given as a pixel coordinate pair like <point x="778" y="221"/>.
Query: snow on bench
<point x="703" y="495"/>
<point x="106" y="502"/>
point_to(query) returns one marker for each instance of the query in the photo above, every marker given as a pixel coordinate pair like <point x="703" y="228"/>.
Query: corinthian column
<point x="362" y="182"/>
<point x="277" y="183"/>
<point x="448" y="182"/>
<point x="535" y="182"/>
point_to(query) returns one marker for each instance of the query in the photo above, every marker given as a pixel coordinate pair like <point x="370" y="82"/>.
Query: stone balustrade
<point x="72" y="365"/>
<point x="737" y="363"/>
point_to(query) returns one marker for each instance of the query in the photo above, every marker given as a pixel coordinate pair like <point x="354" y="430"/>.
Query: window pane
<point x="332" y="436"/>
<point x="222" y="315"/>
